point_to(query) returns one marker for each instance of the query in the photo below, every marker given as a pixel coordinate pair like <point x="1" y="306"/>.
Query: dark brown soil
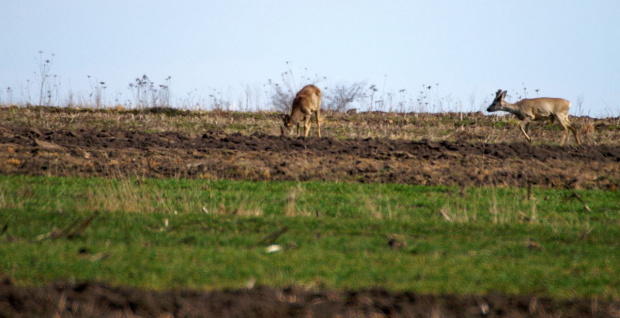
<point x="99" y="300"/>
<point x="215" y="155"/>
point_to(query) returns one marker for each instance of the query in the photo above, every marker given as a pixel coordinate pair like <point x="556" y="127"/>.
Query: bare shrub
<point x="341" y="96"/>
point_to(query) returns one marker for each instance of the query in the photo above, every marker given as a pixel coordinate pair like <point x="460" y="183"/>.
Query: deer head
<point x="287" y="124"/>
<point x="498" y="102"/>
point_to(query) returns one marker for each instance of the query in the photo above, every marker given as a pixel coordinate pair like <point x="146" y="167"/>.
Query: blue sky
<point x="568" y="49"/>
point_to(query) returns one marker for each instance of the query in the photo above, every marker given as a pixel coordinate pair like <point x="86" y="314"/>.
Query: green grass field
<point x="171" y="233"/>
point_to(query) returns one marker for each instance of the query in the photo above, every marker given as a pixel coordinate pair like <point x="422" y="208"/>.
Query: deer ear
<point x="504" y="94"/>
<point x="499" y="91"/>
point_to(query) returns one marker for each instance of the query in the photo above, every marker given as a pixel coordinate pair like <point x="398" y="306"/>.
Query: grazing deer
<point x="307" y="101"/>
<point x="535" y="109"/>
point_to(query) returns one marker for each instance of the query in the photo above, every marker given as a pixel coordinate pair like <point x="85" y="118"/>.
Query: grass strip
<point x="166" y="234"/>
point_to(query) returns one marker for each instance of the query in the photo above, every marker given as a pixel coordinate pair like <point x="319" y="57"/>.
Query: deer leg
<point x="574" y="130"/>
<point x="307" y="125"/>
<point x="564" y="135"/>
<point x="318" y="123"/>
<point x="524" y="125"/>
<point x="527" y="127"/>
<point x="566" y="124"/>
<point x="562" y="122"/>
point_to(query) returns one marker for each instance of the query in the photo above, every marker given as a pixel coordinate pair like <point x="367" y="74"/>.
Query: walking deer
<point x="306" y="102"/>
<point x="536" y="109"/>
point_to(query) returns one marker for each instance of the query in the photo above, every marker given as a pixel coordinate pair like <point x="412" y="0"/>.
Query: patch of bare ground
<point x="64" y="299"/>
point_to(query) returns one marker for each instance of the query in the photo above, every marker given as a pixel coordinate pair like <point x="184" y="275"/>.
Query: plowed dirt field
<point x="216" y="155"/>
<point x="99" y="300"/>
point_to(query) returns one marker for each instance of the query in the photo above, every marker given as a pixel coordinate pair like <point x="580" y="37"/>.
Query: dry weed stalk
<point x="291" y="202"/>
